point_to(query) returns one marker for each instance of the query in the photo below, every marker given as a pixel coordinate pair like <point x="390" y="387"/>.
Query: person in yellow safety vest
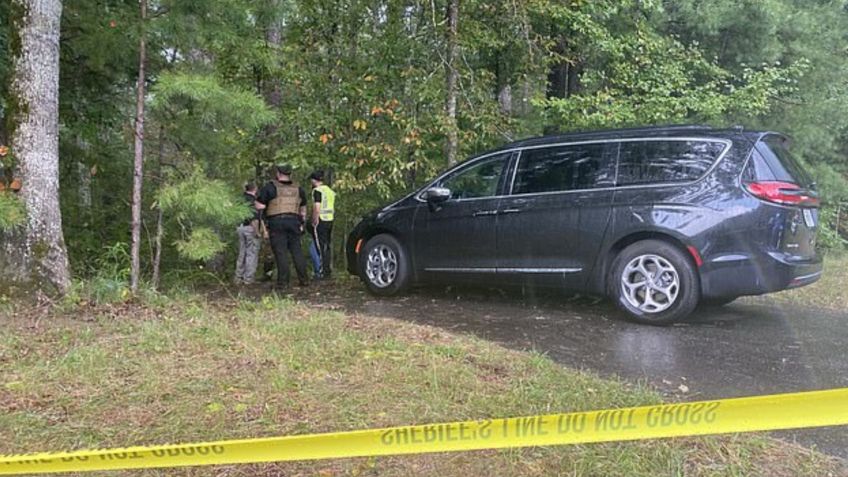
<point x="323" y="213"/>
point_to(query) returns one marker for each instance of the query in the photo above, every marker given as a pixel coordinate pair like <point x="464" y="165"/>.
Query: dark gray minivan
<point x="658" y="218"/>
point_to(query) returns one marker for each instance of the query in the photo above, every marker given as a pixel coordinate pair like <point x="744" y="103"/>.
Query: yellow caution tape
<point x="760" y="413"/>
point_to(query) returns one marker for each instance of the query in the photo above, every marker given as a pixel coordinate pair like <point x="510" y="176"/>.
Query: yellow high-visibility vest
<point x="328" y="203"/>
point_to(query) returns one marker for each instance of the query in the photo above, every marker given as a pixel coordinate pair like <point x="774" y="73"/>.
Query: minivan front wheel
<point x="384" y="266"/>
<point x="654" y="282"/>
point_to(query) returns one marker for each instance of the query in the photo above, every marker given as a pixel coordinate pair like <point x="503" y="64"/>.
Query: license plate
<point x="810" y="217"/>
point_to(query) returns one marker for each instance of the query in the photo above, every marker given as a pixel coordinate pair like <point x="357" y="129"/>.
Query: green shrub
<point x="202" y="244"/>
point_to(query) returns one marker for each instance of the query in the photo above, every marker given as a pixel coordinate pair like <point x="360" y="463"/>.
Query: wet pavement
<point x="746" y="348"/>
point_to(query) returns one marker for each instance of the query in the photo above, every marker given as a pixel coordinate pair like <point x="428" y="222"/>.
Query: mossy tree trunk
<point x="35" y="254"/>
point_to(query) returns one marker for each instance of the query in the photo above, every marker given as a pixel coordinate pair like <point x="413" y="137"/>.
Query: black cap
<point x="284" y="169"/>
<point x="317" y="175"/>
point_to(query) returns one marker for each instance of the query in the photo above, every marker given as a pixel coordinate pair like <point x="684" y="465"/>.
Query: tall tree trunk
<point x="271" y="89"/>
<point x="35" y="254"/>
<point x="274" y="38"/>
<point x="160" y="226"/>
<point x="84" y="186"/>
<point x="451" y="79"/>
<point x="558" y="73"/>
<point x="138" y="163"/>
<point x="157" y="243"/>
<point x="564" y="74"/>
<point x="504" y="83"/>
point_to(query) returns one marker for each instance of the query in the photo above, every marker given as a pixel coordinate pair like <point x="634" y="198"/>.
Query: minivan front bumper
<point x="756" y="274"/>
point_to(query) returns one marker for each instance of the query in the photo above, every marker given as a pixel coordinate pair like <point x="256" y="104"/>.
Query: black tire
<point x="650" y="255"/>
<point x="385" y="281"/>
<point x="717" y="301"/>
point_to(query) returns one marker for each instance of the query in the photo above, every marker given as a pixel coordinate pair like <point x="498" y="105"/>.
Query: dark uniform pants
<point x="284" y="233"/>
<point x="323" y="237"/>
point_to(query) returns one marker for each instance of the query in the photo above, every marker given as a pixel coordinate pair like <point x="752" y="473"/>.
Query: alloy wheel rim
<point x="650" y="283"/>
<point x="381" y="266"/>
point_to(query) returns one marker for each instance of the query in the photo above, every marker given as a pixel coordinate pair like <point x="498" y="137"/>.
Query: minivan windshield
<point x="784" y="166"/>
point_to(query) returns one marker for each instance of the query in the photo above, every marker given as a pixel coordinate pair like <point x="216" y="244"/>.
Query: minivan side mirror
<point x="437" y="195"/>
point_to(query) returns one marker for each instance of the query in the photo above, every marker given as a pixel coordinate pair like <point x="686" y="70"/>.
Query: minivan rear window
<point x="657" y="162"/>
<point x="782" y="165"/>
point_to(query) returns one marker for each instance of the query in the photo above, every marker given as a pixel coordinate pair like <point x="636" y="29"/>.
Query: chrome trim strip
<point x="461" y="270"/>
<point x="806" y="277"/>
<point x="727" y="142"/>
<point x="539" y="270"/>
<point x="730" y="258"/>
<point x="503" y="270"/>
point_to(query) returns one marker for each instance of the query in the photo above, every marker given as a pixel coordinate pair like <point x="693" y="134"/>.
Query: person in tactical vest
<point x="284" y="203"/>
<point x="323" y="213"/>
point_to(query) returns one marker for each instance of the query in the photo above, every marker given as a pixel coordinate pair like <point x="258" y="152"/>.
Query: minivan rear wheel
<point x="654" y="282"/>
<point x="383" y="265"/>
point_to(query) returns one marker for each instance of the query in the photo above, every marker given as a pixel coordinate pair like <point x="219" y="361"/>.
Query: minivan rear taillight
<point x="785" y="193"/>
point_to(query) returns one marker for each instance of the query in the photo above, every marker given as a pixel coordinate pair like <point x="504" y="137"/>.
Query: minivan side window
<point x="657" y="162"/>
<point x="563" y="168"/>
<point x="479" y="180"/>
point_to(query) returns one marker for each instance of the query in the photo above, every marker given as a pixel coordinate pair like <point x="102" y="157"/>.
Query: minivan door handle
<point x="485" y="213"/>
<point x="511" y="211"/>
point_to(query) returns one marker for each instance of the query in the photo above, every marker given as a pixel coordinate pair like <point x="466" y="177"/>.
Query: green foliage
<point x="208" y="121"/>
<point x="362" y="94"/>
<point x="829" y="237"/>
<point x="12" y="212"/>
<point x="198" y="204"/>
<point x="212" y="103"/>
<point x="108" y="283"/>
<point x="199" y="199"/>
<point x="114" y="263"/>
<point x="832" y="185"/>
<point x="644" y="78"/>
<point x="202" y="244"/>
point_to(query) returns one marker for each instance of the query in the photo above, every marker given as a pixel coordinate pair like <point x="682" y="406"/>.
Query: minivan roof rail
<point x="670" y="127"/>
<point x="610" y="131"/>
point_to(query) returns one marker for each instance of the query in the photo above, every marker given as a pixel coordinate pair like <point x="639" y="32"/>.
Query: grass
<point x="104" y="376"/>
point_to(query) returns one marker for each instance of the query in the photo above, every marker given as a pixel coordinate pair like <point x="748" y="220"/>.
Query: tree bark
<point x="451" y="79"/>
<point x="35" y="254"/>
<point x="504" y="85"/>
<point x="160" y="218"/>
<point x="274" y="39"/>
<point x="564" y="74"/>
<point x="157" y="257"/>
<point x="271" y="88"/>
<point x="505" y="99"/>
<point x="138" y="162"/>
<point x="84" y="186"/>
